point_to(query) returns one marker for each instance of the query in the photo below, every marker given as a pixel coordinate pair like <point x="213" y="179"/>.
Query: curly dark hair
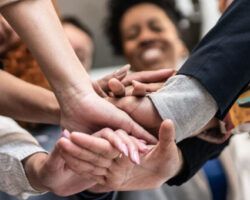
<point x="116" y="10"/>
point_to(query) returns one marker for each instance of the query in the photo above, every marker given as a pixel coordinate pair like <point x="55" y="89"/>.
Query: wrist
<point x="32" y="167"/>
<point x="53" y="111"/>
<point x="74" y="91"/>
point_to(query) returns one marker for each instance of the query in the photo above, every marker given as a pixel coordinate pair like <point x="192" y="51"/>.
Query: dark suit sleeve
<point x="221" y="61"/>
<point x="196" y="153"/>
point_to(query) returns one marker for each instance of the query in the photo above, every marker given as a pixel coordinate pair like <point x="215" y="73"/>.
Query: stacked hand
<point x="161" y="162"/>
<point x="112" y="169"/>
<point x="89" y="113"/>
<point x="80" y="161"/>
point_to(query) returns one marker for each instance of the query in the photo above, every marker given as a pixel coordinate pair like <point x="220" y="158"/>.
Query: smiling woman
<point x="146" y="33"/>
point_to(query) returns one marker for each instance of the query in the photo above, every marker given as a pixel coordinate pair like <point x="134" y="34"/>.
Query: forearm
<point x="19" y="100"/>
<point x="38" y="25"/>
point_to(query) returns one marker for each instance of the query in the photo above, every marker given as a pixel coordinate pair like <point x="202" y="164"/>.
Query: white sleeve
<point x="16" y="144"/>
<point x="184" y="100"/>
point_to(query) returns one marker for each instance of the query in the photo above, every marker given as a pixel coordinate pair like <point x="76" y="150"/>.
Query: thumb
<point x="139" y="132"/>
<point x="55" y="161"/>
<point x="116" y="87"/>
<point x="166" y="134"/>
<point x="119" y="75"/>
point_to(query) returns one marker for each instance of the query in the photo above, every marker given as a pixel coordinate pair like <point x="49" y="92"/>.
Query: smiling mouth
<point x="151" y="54"/>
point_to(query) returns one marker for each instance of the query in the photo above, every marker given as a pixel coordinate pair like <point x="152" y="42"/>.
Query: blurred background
<point x="202" y="14"/>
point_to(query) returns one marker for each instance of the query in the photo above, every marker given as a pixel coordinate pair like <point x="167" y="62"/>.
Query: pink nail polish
<point x="135" y="157"/>
<point x="144" y="148"/>
<point x="124" y="149"/>
<point x="66" y="133"/>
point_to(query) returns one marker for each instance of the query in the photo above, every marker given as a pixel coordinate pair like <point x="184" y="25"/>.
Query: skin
<point x="82" y="44"/>
<point x="20" y="99"/>
<point x="51" y="173"/>
<point x="122" y="174"/>
<point x="151" y="31"/>
<point x="68" y="79"/>
<point x="126" y="176"/>
<point x="8" y="37"/>
<point x="224" y="4"/>
<point x="137" y="32"/>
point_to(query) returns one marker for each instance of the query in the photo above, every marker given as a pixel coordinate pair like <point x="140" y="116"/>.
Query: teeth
<point x="151" y="54"/>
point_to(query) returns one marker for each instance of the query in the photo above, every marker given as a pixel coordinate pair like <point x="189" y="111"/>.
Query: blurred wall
<point x="92" y="12"/>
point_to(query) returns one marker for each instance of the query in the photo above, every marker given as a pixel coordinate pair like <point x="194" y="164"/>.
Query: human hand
<point x="74" y="167"/>
<point x="90" y="113"/>
<point x="98" y="150"/>
<point x="120" y="83"/>
<point x="136" y="88"/>
<point x="161" y="163"/>
<point x="141" y="110"/>
<point x="50" y="173"/>
<point x="101" y="86"/>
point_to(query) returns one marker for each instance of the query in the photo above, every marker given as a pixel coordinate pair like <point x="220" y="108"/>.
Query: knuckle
<point x="95" y="159"/>
<point x="107" y="131"/>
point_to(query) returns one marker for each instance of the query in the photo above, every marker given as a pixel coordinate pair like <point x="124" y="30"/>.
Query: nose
<point x="146" y="38"/>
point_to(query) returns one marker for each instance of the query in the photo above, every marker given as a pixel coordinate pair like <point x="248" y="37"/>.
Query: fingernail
<point x="143" y="141"/>
<point x="135" y="157"/>
<point x="144" y="148"/>
<point x="66" y="133"/>
<point x="124" y="149"/>
<point x="122" y="71"/>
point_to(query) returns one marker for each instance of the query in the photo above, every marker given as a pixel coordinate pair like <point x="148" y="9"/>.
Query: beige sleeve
<point x="186" y="102"/>
<point x="16" y="144"/>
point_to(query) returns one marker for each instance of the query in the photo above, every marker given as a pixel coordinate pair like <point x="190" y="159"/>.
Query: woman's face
<point x="150" y="40"/>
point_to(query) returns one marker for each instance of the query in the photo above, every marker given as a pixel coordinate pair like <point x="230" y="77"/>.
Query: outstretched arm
<point x="23" y="101"/>
<point x="38" y="25"/>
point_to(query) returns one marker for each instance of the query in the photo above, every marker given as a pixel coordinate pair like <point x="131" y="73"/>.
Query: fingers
<point x="81" y="167"/>
<point x="148" y="76"/>
<point x="55" y="161"/>
<point x="114" y="139"/>
<point x="116" y="87"/>
<point x="139" y="89"/>
<point x="132" y="146"/>
<point x="137" y="131"/>
<point x="69" y="148"/>
<point x="119" y="75"/>
<point x="127" y="145"/>
<point x="166" y="134"/>
<point x="96" y="145"/>
<point x="141" y="145"/>
<point x="98" y="89"/>
<point x="148" y="87"/>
